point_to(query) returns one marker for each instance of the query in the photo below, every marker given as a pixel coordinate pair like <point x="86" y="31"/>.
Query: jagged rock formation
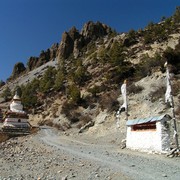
<point x="44" y="57"/>
<point x="53" y="51"/>
<point x="66" y="46"/>
<point x="32" y="63"/>
<point x="73" y="41"/>
<point x="92" y="31"/>
<point x="19" y="68"/>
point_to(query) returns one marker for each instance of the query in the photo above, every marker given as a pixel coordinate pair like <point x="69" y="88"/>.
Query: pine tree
<point x="7" y="94"/>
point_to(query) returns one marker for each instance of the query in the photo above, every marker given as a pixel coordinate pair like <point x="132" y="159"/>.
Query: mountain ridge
<point x="89" y="68"/>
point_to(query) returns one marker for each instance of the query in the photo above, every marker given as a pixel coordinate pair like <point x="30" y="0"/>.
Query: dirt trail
<point x="132" y="164"/>
<point x="55" y="155"/>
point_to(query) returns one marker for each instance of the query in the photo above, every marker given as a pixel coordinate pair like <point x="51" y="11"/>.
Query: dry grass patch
<point x="3" y="137"/>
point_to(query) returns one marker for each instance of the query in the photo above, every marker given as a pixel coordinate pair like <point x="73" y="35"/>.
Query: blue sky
<point x="29" y="26"/>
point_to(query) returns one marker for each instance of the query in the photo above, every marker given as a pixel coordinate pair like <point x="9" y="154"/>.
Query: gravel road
<point x="51" y="154"/>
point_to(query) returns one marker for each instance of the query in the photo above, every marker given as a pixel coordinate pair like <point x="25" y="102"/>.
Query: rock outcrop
<point x="66" y="46"/>
<point x="19" y="68"/>
<point x="93" y="31"/>
<point x="44" y="57"/>
<point x="53" y="51"/>
<point x="32" y="63"/>
<point x="72" y="42"/>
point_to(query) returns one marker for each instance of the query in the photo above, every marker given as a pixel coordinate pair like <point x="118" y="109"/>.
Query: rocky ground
<point x="93" y="154"/>
<point x="51" y="154"/>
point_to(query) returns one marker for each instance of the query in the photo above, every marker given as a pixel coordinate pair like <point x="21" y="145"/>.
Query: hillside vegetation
<point x="89" y="68"/>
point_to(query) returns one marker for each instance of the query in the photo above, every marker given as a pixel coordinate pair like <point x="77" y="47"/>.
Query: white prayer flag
<point x="124" y="105"/>
<point x="123" y="92"/>
<point x="168" y="97"/>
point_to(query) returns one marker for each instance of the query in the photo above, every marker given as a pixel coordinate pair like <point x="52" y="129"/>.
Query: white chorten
<point x="16" y="105"/>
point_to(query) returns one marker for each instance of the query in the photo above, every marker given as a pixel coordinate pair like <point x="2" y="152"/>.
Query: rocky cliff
<point x="72" y="43"/>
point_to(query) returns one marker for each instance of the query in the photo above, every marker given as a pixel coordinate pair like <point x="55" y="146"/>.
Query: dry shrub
<point x="134" y="89"/>
<point x="79" y="125"/>
<point x="67" y="107"/>
<point x="46" y="122"/>
<point x="62" y="127"/>
<point x="66" y="125"/>
<point x="54" y="109"/>
<point x="41" y="123"/>
<point x="70" y="110"/>
<point x="59" y="127"/>
<point x="34" y="129"/>
<point x="3" y="137"/>
<point x="109" y="101"/>
<point x="175" y="88"/>
<point x="157" y="94"/>
<point x="49" y="123"/>
<point x="177" y="112"/>
<point x="84" y="119"/>
<point x="74" y="116"/>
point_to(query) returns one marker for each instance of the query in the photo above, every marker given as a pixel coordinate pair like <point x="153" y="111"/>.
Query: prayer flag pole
<point x="169" y="98"/>
<point x="124" y="106"/>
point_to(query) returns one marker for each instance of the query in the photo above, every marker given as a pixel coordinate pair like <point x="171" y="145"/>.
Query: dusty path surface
<point x="50" y="154"/>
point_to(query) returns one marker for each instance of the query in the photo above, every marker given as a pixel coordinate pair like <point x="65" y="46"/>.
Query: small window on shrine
<point x="144" y="127"/>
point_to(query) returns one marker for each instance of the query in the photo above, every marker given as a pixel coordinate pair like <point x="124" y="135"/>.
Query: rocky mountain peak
<point x="73" y="41"/>
<point x="93" y="30"/>
<point x="66" y="45"/>
<point x="74" y="33"/>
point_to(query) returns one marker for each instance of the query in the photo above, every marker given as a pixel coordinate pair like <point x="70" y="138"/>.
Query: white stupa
<point x="16" y="120"/>
<point x="16" y="105"/>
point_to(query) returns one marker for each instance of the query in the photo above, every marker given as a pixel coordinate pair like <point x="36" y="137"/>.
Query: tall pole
<point x="171" y="100"/>
<point x="126" y="102"/>
<point x="124" y="93"/>
<point x="175" y="126"/>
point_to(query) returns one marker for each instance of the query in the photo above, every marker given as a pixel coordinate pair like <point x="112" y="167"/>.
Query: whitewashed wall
<point x="149" y="140"/>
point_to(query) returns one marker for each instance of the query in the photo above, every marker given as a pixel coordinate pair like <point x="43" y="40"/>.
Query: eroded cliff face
<point x="73" y="41"/>
<point x="44" y="57"/>
<point x="92" y="31"/>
